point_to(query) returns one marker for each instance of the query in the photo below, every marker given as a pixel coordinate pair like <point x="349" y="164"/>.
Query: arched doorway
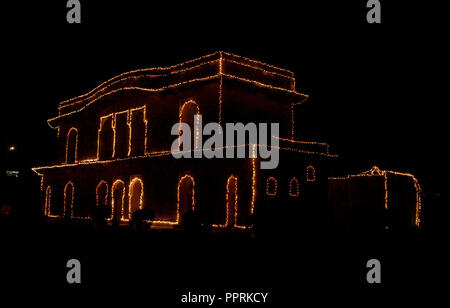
<point x="71" y="146"/>
<point x="136" y="195"/>
<point x="101" y="194"/>
<point x="105" y="138"/>
<point x="118" y="211"/>
<point x="186" y="115"/>
<point x="185" y="196"/>
<point x="68" y="200"/>
<point x="232" y="202"/>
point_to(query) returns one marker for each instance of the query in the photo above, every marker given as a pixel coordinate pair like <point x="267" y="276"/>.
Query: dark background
<point x="376" y="91"/>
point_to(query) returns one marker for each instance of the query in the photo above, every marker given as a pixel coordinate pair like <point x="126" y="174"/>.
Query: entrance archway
<point x="118" y="211"/>
<point x="185" y="196"/>
<point x="68" y="200"/>
<point x="101" y="193"/>
<point x="136" y="195"/>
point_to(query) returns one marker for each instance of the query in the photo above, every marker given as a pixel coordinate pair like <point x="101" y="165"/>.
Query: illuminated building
<point x="375" y="200"/>
<point x="114" y="146"/>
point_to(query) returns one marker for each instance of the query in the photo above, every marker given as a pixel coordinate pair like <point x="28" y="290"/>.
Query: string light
<point x="99" y="186"/>
<point x="73" y="129"/>
<point x="269" y="69"/>
<point x="186" y="176"/>
<point x="102" y="121"/>
<point x="375" y="171"/>
<point x="131" y="191"/>
<point x="125" y="89"/>
<point x="113" y="201"/>
<point x="48" y="194"/>
<point x="70" y="183"/>
<point x="310" y="174"/>
<point x="144" y="116"/>
<point x="232" y="179"/>
<point x="252" y="202"/>
<point x="292" y="192"/>
<point x="39" y="169"/>
<point x="180" y="75"/>
<point x="42" y="182"/>
<point x="131" y="75"/>
<point x="283" y="76"/>
<point x="181" y="113"/>
<point x="220" y="102"/>
<point x="113" y="81"/>
<point x="114" y="125"/>
<point x="271" y="182"/>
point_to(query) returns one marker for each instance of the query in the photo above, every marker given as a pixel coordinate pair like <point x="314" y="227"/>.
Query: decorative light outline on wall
<point x="102" y="120"/>
<point x="144" y="108"/>
<point x="270" y="180"/>
<point x="113" y="189"/>
<point x="178" y="194"/>
<point x="180" y="115"/>
<point x="65" y="199"/>
<point x="76" y="144"/>
<point x="228" y="205"/>
<point x="114" y="124"/>
<point x="159" y="154"/>
<point x="375" y="171"/>
<point x="102" y="182"/>
<point x="113" y="116"/>
<point x="47" y="204"/>
<point x="310" y="174"/>
<point x="295" y="193"/>
<point x="130" y="193"/>
<point x="253" y="162"/>
<point x="150" y="90"/>
<point x="116" y="79"/>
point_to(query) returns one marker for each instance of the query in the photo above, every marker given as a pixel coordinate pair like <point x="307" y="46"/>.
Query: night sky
<point x="378" y="96"/>
<point x="375" y="90"/>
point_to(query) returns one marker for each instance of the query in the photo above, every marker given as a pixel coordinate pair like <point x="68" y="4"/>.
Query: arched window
<point x="232" y="202"/>
<point x="310" y="174"/>
<point x="271" y="186"/>
<point x="101" y="193"/>
<point x="187" y="115"/>
<point x="48" y="201"/>
<point x="294" y="187"/>
<point x="72" y="146"/>
<point x="69" y="194"/>
<point x="185" y="196"/>
<point x="135" y="195"/>
<point x="105" y="142"/>
<point x="118" y="211"/>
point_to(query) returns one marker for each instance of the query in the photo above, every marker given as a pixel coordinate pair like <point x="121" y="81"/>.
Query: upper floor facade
<point x="132" y="114"/>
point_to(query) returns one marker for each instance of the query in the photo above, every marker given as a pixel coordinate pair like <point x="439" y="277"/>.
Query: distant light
<point x="12" y="148"/>
<point x="12" y="173"/>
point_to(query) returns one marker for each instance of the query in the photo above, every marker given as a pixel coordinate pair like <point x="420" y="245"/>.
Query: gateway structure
<point x="114" y="146"/>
